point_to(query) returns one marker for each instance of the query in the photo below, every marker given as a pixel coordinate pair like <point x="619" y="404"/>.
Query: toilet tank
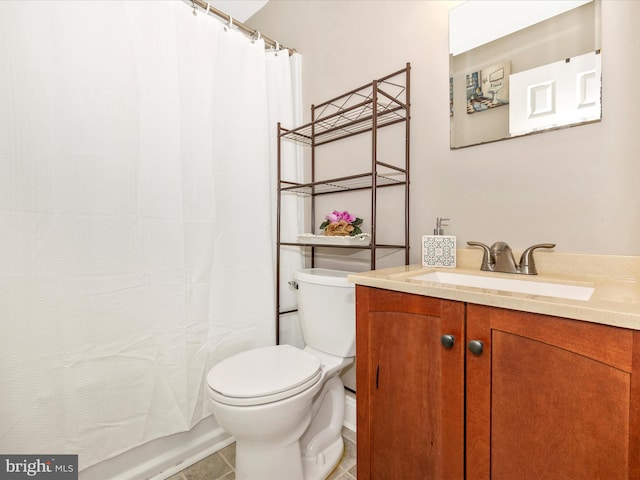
<point x="327" y="310"/>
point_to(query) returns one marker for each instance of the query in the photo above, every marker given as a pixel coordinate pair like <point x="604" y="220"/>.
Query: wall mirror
<point x="517" y="68"/>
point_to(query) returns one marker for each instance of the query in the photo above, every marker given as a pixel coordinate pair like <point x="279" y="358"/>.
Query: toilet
<point x="285" y="405"/>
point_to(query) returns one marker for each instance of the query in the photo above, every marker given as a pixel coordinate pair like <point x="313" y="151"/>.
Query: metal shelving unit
<point x="364" y="110"/>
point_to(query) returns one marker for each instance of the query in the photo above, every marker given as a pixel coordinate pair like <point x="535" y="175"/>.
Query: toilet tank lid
<point x="324" y="276"/>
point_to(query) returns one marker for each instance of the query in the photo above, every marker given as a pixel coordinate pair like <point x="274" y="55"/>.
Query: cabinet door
<point x="410" y="400"/>
<point x="551" y="398"/>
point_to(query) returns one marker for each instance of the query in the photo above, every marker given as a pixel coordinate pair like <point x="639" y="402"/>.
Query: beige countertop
<point x="615" y="280"/>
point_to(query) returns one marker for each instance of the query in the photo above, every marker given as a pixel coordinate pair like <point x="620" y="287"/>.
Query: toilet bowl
<point x="285" y="405"/>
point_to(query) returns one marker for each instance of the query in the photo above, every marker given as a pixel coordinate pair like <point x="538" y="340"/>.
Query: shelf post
<point x="407" y="161"/>
<point x="278" y="239"/>
<point x="374" y="169"/>
<point x="313" y="180"/>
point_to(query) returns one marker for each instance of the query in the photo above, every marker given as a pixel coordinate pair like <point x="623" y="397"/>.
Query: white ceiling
<point x="239" y="10"/>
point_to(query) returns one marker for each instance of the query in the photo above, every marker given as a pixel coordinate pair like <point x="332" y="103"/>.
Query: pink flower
<point x="347" y="217"/>
<point x="337" y="215"/>
<point x="334" y="216"/>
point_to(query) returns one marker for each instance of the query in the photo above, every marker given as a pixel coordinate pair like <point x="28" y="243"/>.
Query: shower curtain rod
<point x="241" y="26"/>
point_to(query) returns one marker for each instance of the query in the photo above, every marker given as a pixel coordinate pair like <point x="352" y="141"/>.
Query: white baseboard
<point x="350" y="411"/>
<point x="163" y="457"/>
<point x="223" y="440"/>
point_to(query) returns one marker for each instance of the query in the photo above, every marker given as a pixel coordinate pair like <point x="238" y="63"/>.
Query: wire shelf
<point x="353" y="112"/>
<point x="344" y="184"/>
<point x="378" y="104"/>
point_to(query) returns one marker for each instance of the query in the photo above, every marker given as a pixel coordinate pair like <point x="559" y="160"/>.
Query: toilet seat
<point x="263" y="375"/>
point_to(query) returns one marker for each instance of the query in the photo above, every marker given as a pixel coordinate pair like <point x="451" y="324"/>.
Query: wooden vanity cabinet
<point x="542" y="398"/>
<point x="551" y="398"/>
<point x="410" y="400"/>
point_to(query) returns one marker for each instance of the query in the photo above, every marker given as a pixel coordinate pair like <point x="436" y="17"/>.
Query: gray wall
<point x="578" y="187"/>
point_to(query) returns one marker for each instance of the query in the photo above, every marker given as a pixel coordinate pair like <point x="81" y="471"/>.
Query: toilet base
<point x="254" y="461"/>
<point x="311" y="453"/>
<point x="322" y="445"/>
<point x="325" y="462"/>
<point x="284" y="463"/>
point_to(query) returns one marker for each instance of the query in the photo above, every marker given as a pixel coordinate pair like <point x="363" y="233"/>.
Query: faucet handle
<point x="486" y="257"/>
<point x="527" y="263"/>
<point x="478" y="244"/>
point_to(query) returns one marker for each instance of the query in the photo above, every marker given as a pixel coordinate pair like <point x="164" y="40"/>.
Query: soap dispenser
<point x="439" y="250"/>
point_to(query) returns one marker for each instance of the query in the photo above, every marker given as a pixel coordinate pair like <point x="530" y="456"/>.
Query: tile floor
<point x="221" y="465"/>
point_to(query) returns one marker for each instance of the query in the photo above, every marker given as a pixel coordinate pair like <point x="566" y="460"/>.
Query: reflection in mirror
<point x="522" y="67"/>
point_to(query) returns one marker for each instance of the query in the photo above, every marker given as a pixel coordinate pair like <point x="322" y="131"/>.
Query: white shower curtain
<point x="136" y="205"/>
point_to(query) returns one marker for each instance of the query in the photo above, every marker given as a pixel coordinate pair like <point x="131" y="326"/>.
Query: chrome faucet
<point x="499" y="258"/>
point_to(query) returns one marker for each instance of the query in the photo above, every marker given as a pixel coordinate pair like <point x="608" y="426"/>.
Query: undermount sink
<point x="559" y="290"/>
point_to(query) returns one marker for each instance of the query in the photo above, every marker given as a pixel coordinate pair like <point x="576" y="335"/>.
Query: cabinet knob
<point x="476" y="347"/>
<point x="447" y="341"/>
